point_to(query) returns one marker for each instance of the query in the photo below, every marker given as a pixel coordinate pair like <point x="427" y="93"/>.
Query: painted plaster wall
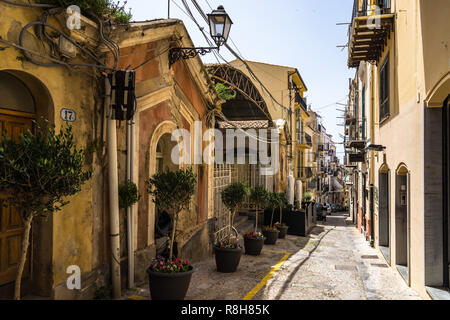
<point x="171" y="96"/>
<point x="76" y="230"/>
<point x="403" y="133"/>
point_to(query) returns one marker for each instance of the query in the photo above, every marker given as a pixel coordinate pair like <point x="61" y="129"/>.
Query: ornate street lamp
<point x="219" y="25"/>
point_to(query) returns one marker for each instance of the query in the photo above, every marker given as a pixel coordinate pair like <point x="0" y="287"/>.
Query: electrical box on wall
<point x="123" y="96"/>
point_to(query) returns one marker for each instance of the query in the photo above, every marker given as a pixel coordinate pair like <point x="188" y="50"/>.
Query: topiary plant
<point x="172" y="192"/>
<point x="233" y="197"/>
<point x="258" y="196"/>
<point x="307" y="197"/>
<point x="38" y="172"/>
<point x="272" y="203"/>
<point x="128" y="194"/>
<point x="282" y="203"/>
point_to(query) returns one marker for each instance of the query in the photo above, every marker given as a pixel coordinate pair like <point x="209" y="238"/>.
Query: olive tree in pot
<point x="254" y="241"/>
<point x="271" y="232"/>
<point x="172" y="192"/>
<point x="37" y="173"/>
<point x="228" y="252"/>
<point x="282" y="227"/>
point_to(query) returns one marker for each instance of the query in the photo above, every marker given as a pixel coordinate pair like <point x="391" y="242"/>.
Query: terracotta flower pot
<point x="227" y="260"/>
<point x="253" y="247"/>
<point x="271" y="236"/>
<point x="169" y="286"/>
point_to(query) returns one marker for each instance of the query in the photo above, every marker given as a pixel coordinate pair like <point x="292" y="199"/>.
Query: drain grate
<point x="369" y="257"/>
<point x="379" y="265"/>
<point x="345" y="268"/>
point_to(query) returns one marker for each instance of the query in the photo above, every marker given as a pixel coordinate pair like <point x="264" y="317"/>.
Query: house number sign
<point x="68" y="115"/>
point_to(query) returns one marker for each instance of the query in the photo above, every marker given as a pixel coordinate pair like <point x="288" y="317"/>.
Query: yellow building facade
<point x="398" y="109"/>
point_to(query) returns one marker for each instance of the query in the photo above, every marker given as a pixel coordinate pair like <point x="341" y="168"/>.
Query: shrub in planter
<point x="258" y="196"/>
<point x="227" y="251"/>
<point x="271" y="235"/>
<point x="253" y="243"/>
<point x="282" y="204"/>
<point x="270" y="232"/>
<point x="172" y="192"/>
<point x="169" y="279"/>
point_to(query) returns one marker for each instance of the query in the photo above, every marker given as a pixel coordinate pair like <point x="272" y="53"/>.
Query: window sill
<point x="385" y="119"/>
<point x="438" y="293"/>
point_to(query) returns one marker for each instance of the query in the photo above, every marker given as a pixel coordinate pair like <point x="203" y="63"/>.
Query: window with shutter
<point x="384" y="90"/>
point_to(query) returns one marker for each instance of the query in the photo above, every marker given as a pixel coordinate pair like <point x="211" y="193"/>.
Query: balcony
<point x="300" y="101"/>
<point x="356" y="135"/>
<point x="306" y="173"/>
<point x="306" y="142"/>
<point x="369" y="31"/>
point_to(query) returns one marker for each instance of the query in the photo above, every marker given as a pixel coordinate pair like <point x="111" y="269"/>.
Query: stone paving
<point x="333" y="263"/>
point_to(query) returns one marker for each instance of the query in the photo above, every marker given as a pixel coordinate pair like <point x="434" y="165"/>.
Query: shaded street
<point x="333" y="263"/>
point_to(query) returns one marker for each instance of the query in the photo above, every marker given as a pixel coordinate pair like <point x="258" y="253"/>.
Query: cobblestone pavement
<point x="333" y="263"/>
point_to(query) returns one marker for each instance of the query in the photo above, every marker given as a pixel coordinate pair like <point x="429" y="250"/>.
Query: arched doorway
<point x="23" y="99"/>
<point x="17" y="110"/>
<point x="384" y="215"/>
<point x="161" y="147"/>
<point x="402" y="230"/>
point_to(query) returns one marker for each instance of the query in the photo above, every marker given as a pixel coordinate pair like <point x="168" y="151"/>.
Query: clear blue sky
<point x="295" y="33"/>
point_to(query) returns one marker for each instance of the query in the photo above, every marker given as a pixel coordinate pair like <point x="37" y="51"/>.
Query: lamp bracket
<point x="177" y="53"/>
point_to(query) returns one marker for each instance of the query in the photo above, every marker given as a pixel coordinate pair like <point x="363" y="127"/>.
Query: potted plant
<point x="271" y="232"/>
<point x="306" y="199"/>
<point x="282" y="227"/>
<point x="38" y="172"/>
<point x="128" y="194"/>
<point x="254" y="241"/>
<point x="227" y="251"/>
<point x="172" y="192"/>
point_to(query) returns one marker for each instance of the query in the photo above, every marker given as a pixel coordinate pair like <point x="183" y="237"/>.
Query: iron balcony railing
<point x="300" y="101"/>
<point x="367" y="9"/>
<point x="306" y="172"/>
<point x="308" y="140"/>
<point x="357" y="131"/>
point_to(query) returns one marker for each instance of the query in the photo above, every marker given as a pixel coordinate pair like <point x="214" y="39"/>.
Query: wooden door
<point x="11" y="225"/>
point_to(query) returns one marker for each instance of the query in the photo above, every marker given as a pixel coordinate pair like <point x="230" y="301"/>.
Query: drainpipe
<point x="372" y="166"/>
<point x="113" y="194"/>
<point x="130" y="161"/>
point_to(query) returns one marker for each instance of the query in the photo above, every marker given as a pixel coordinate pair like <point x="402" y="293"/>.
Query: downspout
<point x="130" y="218"/>
<point x="372" y="155"/>
<point x="113" y="194"/>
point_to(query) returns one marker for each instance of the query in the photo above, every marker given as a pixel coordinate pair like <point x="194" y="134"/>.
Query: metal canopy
<point x="248" y="103"/>
<point x="367" y="41"/>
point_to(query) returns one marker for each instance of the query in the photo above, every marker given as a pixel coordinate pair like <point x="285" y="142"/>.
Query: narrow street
<point x="333" y="263"/>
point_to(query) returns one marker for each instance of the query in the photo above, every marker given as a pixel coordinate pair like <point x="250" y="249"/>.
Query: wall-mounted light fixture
<point x="375" y="147"/>
<point x="219" y="27"/>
